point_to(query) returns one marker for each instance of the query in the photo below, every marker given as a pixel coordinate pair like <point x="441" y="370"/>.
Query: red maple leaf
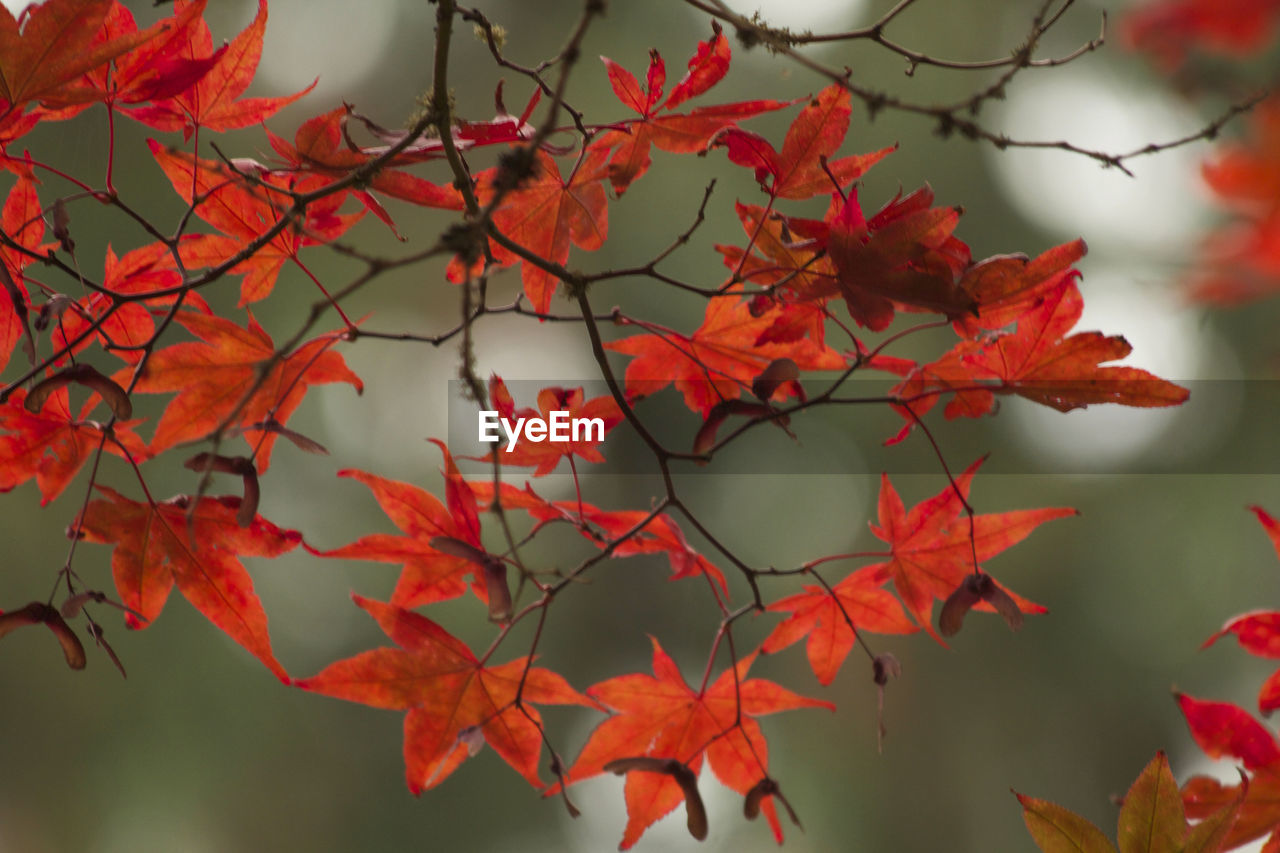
<point x="1224" y="730"/>
<point x="214" y="102"/>
<point x="44" y="57"/>
<point x="1259" y="632"/>
<point x="546" y="455"/>
<point x="1041" y="362"/>
<point x="1241" y="260"/>
<point x="934" y="547"/>
<point x="157" y="69"/>
<point x="718" y="360"/>
<point x="243" y="213"/>
<point x="1168" y="29"/>
<point x="823" y="617"/>
<point x="797" y="172"/>
<point x="23" y="222"/>
<point x="605" y="528"/>
<point x="130" y="325"/>
<point x="544" y="215"/>
<point x="783" y="250"/>
<point x="1005" y="287"/>
<point x="903" y="257"/>
<point x="428" y="575"/>
<point x="661" y="716"/>
<point x="317" y="146"/>
<point x="217" y="381"/>
<point x="158" y="545"/>
<point x="452" y="698"/>
<point x="52" y="445"/>
<point x="658" y="127"/>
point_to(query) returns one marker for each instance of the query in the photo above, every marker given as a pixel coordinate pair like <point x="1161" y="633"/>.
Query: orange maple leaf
<point x="214" y="102"/>
<point x="797" y="171"/>
<point x="43" y="57"/>
<point x="52" y="445"/>
<point x="244" y="213"/>
<point x="933" y="550"/>
<point x="1005" y="287"/>
<point x="605" y="527"/>
<point x="217" y="381"/>
<point x="130" y="325"/>
<point x="544" y="215"/>
<point x="718" y="360"/>
<point x="452" y="698"/>
<point x="1224" y="730"/>
<point x="158" y="545"/>
<point x="661" y="716"/>
<point x="317" y="146"/>
<point x="428" y="575"/>
<point x="823" y="617"/>
<point x="658" y="127"/>
<point x="1038" y="361"/>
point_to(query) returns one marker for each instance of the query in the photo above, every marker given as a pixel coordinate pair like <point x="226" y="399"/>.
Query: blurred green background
<point x="201" y="749"/>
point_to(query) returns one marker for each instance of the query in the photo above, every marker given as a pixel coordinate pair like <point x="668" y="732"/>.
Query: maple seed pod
<point x="241" y="465"/>
<point x="951" y="619"/>
<point x="88" y="376"/>
<point x="36" y="613"/>
<point x="766" y="787"/>
<point x="976" y="587"/>
<point x="95" y="631"/>
<point x="695" y="811"/>
<point x="885" y="667"/>
<point x="493" y="570"/>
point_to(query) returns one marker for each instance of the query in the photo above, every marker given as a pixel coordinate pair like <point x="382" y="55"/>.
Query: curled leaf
<point x="883" y="668"/>
<point x="62" y="226"/>
<point x="52" y="310"/>
<point x="72" y="606"/>
<point x="778" y="371"/>
<point x="36" y="613"/>
<point x="88" y="376"/>
<point x="706" y="437"/>
<point x="685" y="778"/>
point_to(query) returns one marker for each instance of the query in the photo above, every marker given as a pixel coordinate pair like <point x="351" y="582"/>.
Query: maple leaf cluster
<point x="1237" y="262"/>
<point x="228" y="385"/>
